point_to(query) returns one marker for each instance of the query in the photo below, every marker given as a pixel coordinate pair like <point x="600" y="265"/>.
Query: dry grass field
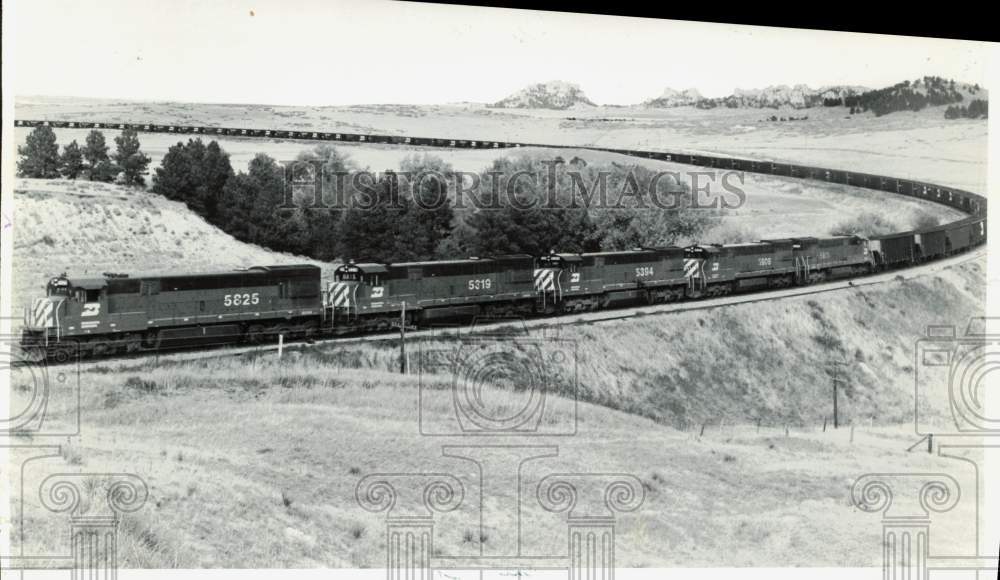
<point x="252" y="461"/>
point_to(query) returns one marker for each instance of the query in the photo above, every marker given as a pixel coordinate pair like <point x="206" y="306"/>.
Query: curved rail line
<point x="609" y="316"/>
<point x="962" y="200"/>
<point x="970" y="203"/>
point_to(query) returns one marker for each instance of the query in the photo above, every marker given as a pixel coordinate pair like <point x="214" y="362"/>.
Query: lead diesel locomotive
<point x="122" y="314"/>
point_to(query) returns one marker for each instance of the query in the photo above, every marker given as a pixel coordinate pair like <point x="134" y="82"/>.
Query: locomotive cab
<point x="353" y="282"/>
<point x="67" y="307"/>
<point x="554" y="271"/>
<point x="42" y="320"/>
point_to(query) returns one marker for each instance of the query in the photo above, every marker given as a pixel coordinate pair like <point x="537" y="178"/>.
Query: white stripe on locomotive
<point x="545" y="280"/>
<point x="692" y="268"/>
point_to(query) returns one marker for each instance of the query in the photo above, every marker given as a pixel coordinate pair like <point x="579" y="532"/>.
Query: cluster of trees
<point x="578" y="208"/>
<point x="39" y="157"/>
<point x="264" y="205"/>
<point x="906" y="96"/>
<point x="977" y="109"/>
<point x="418" y="212"/>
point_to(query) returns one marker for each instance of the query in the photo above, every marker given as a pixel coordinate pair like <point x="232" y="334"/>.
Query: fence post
<point x="281" y="345"/>
<point x="824" y="424"/>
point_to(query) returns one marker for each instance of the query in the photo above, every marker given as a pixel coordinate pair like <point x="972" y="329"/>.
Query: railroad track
<point x="542" y="324"/>
<point x="967" y="201"/>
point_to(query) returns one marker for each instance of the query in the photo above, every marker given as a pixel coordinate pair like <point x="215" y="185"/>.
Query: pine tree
<point x="71" y="162"/>
<point x="430" y="216"/>
<point x="39" y="154"/>
<point x="250" y="208"/>
<point x="214" y="172"/>
<point x="95" y="153"/>
<point x="324" y="219"/>
<point x="195" y="174"/>
<point x="175" y="178"/>
<point x="372" y="231"/>
<point x="95" y="149"/>
<point x="129" y="158"/>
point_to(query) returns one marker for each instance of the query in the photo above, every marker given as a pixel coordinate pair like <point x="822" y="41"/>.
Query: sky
<point x="338" y="52"/>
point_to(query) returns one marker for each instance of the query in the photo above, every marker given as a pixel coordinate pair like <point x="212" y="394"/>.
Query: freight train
<point x="118" y="313"/>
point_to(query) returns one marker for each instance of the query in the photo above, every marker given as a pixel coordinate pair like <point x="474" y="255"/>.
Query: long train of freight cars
<point x="114" y="314"/>
<point x="966" y="201"/>
<point x="122" y="314"/>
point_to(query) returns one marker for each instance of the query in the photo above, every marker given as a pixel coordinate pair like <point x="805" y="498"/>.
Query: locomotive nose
<point x="545" y="279"/>
<point x="44" y="313"/>
<point x="340" y="294"/>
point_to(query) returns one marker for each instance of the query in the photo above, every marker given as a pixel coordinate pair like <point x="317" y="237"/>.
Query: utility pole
<point x="403" y="360"/>
<point x="402" y="340"/>
<point x="836" y="384"/>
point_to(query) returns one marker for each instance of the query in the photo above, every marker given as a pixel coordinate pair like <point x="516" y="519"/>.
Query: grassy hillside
<point x="771" y="361"/>
<point x="86" y="228"/>
<point x="253" y="461"/>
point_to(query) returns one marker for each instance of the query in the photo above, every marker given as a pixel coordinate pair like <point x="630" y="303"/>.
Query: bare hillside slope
<point x="773" y="361"/>
<point x="86" y="228"/>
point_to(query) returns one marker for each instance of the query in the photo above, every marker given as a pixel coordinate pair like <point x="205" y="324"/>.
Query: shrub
<point x="925" y="219"/>
<point x="864" y="224"/>
<point x="732" y="233"/>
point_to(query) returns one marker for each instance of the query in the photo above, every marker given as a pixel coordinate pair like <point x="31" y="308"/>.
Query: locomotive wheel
<point x="61" y="355"/>
<point x="310" y="328"/>
<point x="133" y="343"/>
<point x="255" y="334"/>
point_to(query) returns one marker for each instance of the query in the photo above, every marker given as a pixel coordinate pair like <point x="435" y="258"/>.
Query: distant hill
<point x="916" y="95"/>
<point x="674" y="98"/>
<point x="798" y="97"/>
<point x="558" y="95"/>
<point x="904" y="96"/>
